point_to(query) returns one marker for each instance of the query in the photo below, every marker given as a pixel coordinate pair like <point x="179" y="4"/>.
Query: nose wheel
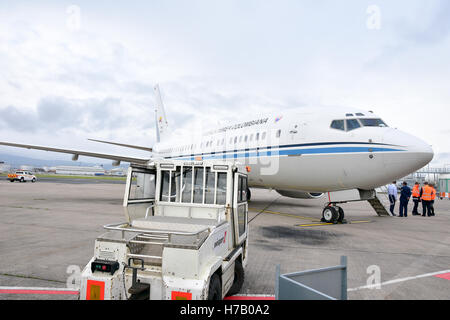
<point x="333" y="214"/>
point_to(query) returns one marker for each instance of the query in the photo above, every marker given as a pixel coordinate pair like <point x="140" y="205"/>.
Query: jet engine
<point x="300" y="194"/>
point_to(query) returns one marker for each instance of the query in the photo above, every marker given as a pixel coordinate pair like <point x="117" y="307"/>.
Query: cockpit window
<point x="338" y="124"/>
<point x="360" y="114"/>
<point x="352" y="124"/>
<point x="373" y="123"/>
<point x="349" y="114"/>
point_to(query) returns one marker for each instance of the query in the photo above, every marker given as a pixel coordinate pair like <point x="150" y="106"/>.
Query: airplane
<point x="302" y="153"/>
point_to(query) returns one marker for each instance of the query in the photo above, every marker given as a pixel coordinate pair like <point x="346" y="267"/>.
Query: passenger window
<point x="352" y="124"/>
<point x="170" y="186"/>
<point x="278" y="133"/>
<point x="257" y="136"/>
<point x="242" y="196"/>
<point x="240" y="139"/>
<point x="187" y="185"/>
<point x="263" y="136"/>
<point x="198" y="185"/>
<point x="175" y="191"/>
<point x="210" y="185"/>
<point x="165" y="180"/>
<point x="251" y="137"/>
<point x="221" y="191"/>
<point x="338" y="124"/>
<point x="235" y="139"/>
<point x="242" y="216"/>
<point x="246" y="138"/>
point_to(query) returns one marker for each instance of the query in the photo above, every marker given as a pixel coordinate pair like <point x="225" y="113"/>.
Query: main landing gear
<point x="333" y="214"/>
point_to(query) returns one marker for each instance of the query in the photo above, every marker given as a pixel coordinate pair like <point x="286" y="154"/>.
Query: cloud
<point x="53" y="114"/>
<point x="98" y="81"/>
<point x="17" y="119"/>
<point x="437" y="29"/>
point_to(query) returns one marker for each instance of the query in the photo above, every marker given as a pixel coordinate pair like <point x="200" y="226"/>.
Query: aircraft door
<point x="294" y="131"/>
<point x="240" y="208"/>
<point x="139" y="193"/>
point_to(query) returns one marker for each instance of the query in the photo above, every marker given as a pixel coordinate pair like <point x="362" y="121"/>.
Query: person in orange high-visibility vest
<point x="433" y="197"/>
<point x="416" y="198"/>
<point x="426" y="199"/>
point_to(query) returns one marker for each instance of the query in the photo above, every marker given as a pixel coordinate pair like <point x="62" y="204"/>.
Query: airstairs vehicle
<point x="185" y="235"/>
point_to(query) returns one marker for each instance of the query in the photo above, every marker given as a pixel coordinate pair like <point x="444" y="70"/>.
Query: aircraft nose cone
<point x="413" y="154"/>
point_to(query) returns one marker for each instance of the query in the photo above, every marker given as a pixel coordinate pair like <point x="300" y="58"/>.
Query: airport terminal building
<point x="78" y="170"/>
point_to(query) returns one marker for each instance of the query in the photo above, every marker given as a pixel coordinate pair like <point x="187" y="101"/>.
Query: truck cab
<point x="185" y="235"/>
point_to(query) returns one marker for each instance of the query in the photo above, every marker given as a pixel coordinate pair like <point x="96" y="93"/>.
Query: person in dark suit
<point x="405" y="195"/>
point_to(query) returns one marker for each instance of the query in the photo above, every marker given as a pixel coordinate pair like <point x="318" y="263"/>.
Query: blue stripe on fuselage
<point x="288" y="152"/>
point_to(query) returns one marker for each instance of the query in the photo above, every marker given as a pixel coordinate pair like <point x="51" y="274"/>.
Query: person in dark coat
<point x="405" y="195"/>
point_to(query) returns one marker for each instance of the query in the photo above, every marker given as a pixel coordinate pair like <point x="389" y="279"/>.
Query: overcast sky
<point x="72" y="70"/>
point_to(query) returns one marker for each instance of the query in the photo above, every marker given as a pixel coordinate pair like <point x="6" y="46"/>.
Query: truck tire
<point x="12" y="180"/>
<point x="238" y="281"/>
<point x="33" y="180"/>
<point x="22" y="179"/>
<point x="215" y="288"/>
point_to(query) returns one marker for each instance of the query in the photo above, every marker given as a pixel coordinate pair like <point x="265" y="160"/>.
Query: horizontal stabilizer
<point x="78" y="153"/>
<point x="123" y="145"/>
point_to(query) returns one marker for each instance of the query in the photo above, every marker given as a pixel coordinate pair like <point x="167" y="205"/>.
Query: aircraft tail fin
<point x="160" y="116"/>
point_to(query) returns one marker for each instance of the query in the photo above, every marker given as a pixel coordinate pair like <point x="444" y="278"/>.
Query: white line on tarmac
<point x="37" y="290"/>
<point x="372" y="286"/>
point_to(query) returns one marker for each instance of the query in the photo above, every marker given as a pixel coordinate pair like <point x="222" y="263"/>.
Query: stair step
<point x="378" y="206"/>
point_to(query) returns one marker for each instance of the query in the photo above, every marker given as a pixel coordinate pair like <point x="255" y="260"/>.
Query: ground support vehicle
<point x="22" y="176"/>
<point x="186" y="235"/>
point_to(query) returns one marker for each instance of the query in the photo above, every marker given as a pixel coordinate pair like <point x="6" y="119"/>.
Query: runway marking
<point x="328" y="223"/>
<point x="362" y="221"/>
<point x="313" y="225"/>
<point x="286" y="215"/>
<point x="372" y="286"/>
<point x="37" y="290"/>
<point x="251" y="297"/>
<point x="445" y="276"/>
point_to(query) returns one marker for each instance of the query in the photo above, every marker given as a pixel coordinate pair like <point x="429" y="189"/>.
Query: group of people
<point x="425" y="194"/>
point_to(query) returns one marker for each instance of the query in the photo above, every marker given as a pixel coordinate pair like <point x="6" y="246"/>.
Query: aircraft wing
<point x="77" y="153"/>
<point x="123" y="145"/>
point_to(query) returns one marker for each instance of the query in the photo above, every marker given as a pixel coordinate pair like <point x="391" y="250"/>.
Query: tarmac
<point x="48" y="229"/>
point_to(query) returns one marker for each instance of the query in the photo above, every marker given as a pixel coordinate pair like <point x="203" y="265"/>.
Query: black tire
<point x="239" y="276"/>
<point x="340" y="219"/>
<point x="11" y="180"/>
<point x="33" y="180"/>
<point x="330" y="215"/>
<point x="22" y="179"/>
<point x="215" y="288"/>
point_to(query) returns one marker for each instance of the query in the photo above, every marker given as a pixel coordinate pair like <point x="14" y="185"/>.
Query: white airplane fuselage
<point x="298" y="151"/>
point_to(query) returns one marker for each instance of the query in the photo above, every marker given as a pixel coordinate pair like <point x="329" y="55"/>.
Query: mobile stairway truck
<point x="185" y="235"/>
